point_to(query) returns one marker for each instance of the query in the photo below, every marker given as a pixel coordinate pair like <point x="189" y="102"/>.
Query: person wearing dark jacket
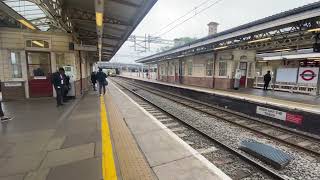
<point x="266" y="79"/>
<point x="65" y="87"/>
<point x="101" y="78"/>
<point x="58" y="82"/>
<point x="93" y="80"/>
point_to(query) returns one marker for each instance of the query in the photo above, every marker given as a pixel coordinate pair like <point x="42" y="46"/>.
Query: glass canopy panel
<point x="31" y="12"/>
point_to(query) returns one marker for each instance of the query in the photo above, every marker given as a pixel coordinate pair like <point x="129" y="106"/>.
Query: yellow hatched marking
<point x="108" y="166"/>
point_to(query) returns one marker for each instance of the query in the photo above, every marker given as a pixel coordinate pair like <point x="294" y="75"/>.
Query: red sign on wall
<point x="293" y="118"/>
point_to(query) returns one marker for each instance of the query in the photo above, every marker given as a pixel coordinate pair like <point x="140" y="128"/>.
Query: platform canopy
<point x="103" y="23"/>
<point x="290" y="30"/>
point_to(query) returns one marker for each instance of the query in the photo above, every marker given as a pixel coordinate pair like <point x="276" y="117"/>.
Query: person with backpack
<point x="101" y="78"/>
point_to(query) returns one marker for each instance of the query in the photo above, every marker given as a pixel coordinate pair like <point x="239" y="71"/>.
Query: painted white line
<point x="194" y="152"/>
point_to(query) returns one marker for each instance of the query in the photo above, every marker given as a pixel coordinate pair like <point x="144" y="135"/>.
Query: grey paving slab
<point x="55" y="143"/>
<point x="5" y="148"/>
<point x="82" y="138"/>
<point x="89" y="169"/>
<point x="20" y="164"/>
<point x="25" y="121"/>
<point x="68" y="155"/>
<point x="189" y="168"/>
<point x="25" y="148"/>
<point x="40" y="174"/>
<point x="37" y="135"/>
<point x="92" y="115"/>
<point x="166" y="149"/>
<point x="98" y="149"/>
<point x="76" y="127"/>
<point x="14" y="177"/>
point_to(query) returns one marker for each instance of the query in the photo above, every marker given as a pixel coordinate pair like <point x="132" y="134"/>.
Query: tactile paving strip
<point x="275" y="157"/>
<point x="131" y="161"/>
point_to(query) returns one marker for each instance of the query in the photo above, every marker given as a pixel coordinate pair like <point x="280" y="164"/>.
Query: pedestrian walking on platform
<point x="101" y="78"/>
<point x="267" y="79"/>
<point x="58" y="83"/>
<point x="93" y="80"/>
<point x="2" y="117"/>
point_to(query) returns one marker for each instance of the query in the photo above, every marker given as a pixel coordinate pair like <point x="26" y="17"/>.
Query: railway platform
<point x="294" y="110"/>
<point x="91" y="138"/>
<point x="276" y="98"/>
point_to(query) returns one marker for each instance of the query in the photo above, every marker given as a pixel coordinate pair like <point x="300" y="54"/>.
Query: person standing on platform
<point x="65" y="87"/>
<point x="93" y="80"/>
<point x="58" y="83"/>
<point x="101" y="78"/>
<point x="267" y="79"/>
<point x="2" y="117"/>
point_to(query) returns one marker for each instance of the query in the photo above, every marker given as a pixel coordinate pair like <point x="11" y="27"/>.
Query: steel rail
<point x="192" y="106"/>
<point x="241" y="155"/>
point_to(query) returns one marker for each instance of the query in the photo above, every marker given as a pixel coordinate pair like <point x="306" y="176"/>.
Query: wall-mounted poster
<point x="288" y="75"/>
<point x="308" y="75"/>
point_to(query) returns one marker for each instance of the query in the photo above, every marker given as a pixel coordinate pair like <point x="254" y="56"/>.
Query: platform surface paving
<point x="44" y="142"/>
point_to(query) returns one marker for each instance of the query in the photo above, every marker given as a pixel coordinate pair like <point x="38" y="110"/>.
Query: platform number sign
<point x="308" y="75"/>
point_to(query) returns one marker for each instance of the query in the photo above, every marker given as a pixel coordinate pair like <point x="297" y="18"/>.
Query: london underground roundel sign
<point x="308" y="75"/>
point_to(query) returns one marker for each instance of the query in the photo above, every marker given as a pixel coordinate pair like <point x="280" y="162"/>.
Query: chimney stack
<point x="213" y="28"/>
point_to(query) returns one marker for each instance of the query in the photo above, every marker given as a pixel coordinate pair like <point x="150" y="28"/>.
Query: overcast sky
<point x="228" y="13"/>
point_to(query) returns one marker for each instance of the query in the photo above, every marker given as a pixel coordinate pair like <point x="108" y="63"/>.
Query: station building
<point x="27" y="60"/>
<point x="285" y="44"/>
<point x="209" y="70"/>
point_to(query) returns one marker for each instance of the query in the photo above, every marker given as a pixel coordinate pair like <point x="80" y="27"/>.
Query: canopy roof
<point x="120" y="18"/>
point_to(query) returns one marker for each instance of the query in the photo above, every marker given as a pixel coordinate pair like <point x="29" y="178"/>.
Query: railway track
<point x="179" y="126"/>
<point x="300" y="140"/>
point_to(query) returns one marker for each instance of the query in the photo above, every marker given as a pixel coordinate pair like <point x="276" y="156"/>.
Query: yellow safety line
<point x="108" y="166"/>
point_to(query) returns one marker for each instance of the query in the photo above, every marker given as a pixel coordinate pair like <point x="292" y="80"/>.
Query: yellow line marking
<point x="108" y="165"/>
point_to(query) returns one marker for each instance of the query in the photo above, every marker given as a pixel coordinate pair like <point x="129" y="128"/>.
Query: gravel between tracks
<point x="303" y="167"/>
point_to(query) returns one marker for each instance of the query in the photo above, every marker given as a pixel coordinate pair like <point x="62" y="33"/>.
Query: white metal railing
<point x="286" y="87"/>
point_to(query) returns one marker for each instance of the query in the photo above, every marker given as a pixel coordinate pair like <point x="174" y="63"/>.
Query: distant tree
<point x="177" y="42"/>
<point x="183" y="40"/>
<point x="161" y="49"/>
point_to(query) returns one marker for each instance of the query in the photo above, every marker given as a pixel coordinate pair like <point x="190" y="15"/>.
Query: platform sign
<point x="12" y="84"/>
<point x="272" y="113"/>
<point x="288" y="75"/>
<point x="308" y="75"/>
<point x="293" y="118"/>
<point x="283" y="116"/>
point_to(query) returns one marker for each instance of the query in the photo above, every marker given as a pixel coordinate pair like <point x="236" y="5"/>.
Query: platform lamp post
<point x="99" y="7"/>
<point x="318" y="85"/>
